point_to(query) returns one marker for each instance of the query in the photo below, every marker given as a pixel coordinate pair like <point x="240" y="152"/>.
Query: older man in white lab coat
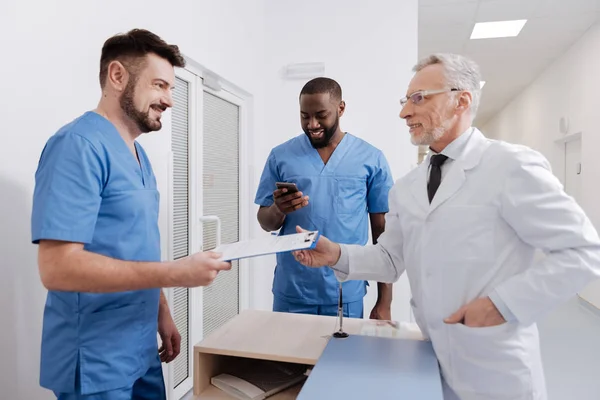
<point x="465" y="226"/>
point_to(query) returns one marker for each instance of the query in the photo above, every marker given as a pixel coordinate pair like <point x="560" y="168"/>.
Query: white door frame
<point x="244" y="189"/>
<point x="193" y="73"/>
<point x="562" y="142"/>
<point x="195" y="294"/>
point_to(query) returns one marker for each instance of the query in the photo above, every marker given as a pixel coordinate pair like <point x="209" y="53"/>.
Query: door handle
<point x="212" y="218"/>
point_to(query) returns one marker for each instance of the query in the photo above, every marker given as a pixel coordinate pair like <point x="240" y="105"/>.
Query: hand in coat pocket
<point x="478" y="313"/>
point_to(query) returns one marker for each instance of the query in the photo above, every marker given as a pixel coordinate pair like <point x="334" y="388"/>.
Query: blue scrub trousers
<point x="151" y="386"/>
<point x="351" y="310"/>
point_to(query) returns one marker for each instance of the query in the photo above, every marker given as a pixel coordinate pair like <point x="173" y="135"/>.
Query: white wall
<point x="370" y="51"/>
<point x="49" y="76"/>
<point x="568" y="88"/>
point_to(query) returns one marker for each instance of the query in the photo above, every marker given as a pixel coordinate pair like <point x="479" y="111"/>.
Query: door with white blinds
<point x="180" y="149"/>
<point x="204" y="181"/>
<point x="220" y="197"/>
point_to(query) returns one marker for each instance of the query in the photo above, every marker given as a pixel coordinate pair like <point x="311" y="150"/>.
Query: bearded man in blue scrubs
<point x="95" y="218"/>
<point x="342" y="181"/>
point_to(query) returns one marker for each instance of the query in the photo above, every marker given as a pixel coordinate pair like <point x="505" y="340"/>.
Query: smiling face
<point x="320" y="117"/>
<point x="148" y="93"/>
<point x="434" y="114"/>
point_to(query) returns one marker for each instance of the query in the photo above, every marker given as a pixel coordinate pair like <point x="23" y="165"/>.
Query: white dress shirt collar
<point x="456" y="147"/>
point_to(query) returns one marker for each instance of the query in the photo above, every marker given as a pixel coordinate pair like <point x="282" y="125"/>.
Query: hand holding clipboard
<point x="268" y="245"/>
<point x="324" y="253"/>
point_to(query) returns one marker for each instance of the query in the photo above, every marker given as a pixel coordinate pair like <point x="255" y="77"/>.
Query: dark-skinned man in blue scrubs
<point x="343" y="184"/>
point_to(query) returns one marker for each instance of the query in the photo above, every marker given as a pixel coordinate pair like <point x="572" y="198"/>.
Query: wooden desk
<point x="295" y="338"/>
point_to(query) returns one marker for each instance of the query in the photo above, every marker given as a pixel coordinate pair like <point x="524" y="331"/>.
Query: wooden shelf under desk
<point x="264" y="335"/>
<point x="213" y="393"/>
<point x="213" y="364"/>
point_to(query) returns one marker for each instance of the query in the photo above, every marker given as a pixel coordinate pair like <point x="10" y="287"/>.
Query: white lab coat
<point x="496" y="204"/>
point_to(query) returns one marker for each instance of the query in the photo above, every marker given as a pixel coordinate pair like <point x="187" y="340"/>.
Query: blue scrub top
<point x="90" y="189"/>
<point x="354" y="182"/>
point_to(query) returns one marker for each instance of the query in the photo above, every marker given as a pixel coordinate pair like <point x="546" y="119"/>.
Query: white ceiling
<point x="508" y="65"/>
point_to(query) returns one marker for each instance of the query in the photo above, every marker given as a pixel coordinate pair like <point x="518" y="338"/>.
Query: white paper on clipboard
<point x="268" y="245"/>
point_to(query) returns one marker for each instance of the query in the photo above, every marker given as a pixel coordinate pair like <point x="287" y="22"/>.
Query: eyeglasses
<point x="418" y="97"/>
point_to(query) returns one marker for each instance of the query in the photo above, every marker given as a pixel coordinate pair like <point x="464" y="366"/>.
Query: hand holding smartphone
<point x="290" y="186"/>
<point x="288" y="198"/>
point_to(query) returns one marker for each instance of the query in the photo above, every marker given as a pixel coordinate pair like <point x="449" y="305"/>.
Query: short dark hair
<point x="323" y="85"/>
<point x="134" y="45"/>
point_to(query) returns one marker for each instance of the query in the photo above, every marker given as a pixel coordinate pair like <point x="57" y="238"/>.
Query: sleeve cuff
<point x="502" y="307"/>
<point x="342" y="268"/>
<point x="62" y="235"/>
<point x="382" y="210"/>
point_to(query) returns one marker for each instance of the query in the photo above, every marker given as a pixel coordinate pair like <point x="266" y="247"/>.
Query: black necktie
<point x="435" y="176"/>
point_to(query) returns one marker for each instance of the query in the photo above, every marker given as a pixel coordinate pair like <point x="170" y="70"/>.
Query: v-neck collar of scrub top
<point x="121" y="147"/>
<point x="335" y="159"/>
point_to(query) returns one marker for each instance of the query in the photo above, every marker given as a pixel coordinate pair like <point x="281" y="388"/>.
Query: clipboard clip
<point x="309" y="237"/>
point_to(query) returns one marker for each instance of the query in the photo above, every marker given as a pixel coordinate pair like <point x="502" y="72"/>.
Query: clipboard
<point x="268" y="245"/>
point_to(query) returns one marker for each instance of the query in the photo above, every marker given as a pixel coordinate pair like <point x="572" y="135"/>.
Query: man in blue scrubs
<point x="95" y="218"/>
<point x="342" y="181"/>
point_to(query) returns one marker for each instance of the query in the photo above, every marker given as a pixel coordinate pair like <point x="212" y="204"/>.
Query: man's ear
<point x="341" y="108"/>
<point x="117" y="75"/>
<point x="464" y="101"/>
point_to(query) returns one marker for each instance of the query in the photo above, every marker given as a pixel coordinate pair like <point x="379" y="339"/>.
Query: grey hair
<point x="461" y="72"/>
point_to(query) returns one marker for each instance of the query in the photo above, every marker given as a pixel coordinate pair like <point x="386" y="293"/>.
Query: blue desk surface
<point x="367" y="367"/>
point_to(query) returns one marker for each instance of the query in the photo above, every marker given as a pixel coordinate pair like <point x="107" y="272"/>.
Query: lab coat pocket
<point x="351" y="195"/>
<point x="490" y="362"/>
<point x="111" y="343"/>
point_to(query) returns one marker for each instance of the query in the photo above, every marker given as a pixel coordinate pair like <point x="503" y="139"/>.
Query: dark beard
<point x="142" y="119"/>
<point x="327" y="135"/>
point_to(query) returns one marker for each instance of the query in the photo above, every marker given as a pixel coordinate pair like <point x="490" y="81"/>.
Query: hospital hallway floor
<point x="570" y="340"/>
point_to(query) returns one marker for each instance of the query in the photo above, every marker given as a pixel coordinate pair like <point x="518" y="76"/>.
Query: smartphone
<point x="290" y="186"/>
